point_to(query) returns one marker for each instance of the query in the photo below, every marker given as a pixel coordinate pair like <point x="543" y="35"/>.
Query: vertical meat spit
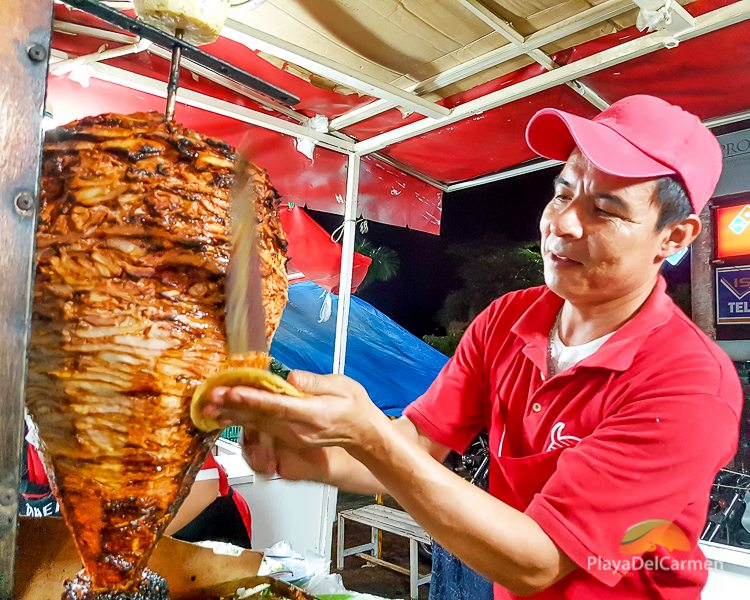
<point x="174" y="77"/>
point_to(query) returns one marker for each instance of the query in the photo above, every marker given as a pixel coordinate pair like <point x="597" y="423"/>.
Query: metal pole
<point x="330" y="494"/>
<point x="347" y="260"/>
<point x="24" y="52"/>
<point x="701" y="282"/>
<point x="174" y="76"/>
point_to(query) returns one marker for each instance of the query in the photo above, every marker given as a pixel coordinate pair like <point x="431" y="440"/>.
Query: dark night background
<point x="510" y="207"/>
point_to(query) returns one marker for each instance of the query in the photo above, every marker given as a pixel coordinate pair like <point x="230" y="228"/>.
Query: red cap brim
<point x="555" y="134"/>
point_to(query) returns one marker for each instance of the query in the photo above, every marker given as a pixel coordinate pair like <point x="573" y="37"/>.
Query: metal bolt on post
<point x="24" y="202"/>
<point x="37" y="53"/>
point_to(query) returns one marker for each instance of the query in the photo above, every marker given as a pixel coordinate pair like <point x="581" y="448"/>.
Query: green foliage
<point x="385" y="262"/>
<point x="279" y="368"/>
<point x="683" y="297"/>
<point x="445" y="343"/>
<point x="488" y="268"/>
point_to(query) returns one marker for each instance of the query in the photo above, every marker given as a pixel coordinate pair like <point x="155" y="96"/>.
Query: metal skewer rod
<point x="174" y="76"/>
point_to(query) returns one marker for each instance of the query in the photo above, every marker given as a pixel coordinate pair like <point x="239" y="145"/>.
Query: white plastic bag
<point x="325" y="584"/>
<point x="284" y="563"/>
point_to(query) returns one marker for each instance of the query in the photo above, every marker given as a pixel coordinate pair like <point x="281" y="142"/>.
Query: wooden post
<point x="24" y="53"/>
<point x="701" y="280"/>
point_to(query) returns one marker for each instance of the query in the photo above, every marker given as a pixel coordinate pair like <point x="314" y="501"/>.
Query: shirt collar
<point x="617" y="353"/>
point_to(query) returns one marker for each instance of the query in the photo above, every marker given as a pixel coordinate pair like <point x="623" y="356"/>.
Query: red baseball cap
<point x="638" y="136"/>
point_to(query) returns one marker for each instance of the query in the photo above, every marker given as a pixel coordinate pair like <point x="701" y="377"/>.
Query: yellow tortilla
<point x="246" y="376"/>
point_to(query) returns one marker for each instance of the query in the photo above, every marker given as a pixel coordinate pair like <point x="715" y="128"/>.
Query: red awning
<point x="386" y="194"/>
<point x="708" y="75"/>
<point x="313" y="255"/>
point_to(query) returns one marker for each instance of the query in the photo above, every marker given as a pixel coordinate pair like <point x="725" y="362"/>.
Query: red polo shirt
<point x="634" y="432"/>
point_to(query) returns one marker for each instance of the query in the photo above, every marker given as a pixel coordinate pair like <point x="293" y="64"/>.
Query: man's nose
<point x="566" y="221"/>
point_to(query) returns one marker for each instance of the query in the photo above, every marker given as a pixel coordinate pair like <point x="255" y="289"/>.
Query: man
<point x="609" y="412"/>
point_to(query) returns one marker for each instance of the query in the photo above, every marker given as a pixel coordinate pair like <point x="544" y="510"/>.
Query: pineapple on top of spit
<point x="199" y="20"/>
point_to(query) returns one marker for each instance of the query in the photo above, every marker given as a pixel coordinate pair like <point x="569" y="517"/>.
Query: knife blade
<point x="245" y="325"/>
<point x="245" y="316"/>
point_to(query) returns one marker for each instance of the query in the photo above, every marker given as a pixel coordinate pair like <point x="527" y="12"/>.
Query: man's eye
<point x="604" y="213"/>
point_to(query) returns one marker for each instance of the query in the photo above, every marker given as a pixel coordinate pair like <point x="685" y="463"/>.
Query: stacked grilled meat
<point x="133" y="245"/>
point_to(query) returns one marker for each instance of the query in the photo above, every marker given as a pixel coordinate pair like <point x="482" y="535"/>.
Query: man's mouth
<point x="562" y="260"/>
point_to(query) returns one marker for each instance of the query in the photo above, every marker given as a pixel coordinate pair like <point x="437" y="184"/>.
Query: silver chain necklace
<point x="551" y="367"/>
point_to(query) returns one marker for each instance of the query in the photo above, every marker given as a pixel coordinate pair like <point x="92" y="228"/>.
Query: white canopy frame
<point x="659" y="40"/>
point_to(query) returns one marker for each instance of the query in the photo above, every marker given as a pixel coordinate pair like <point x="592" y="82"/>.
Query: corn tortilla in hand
<point x="246" y="376"/>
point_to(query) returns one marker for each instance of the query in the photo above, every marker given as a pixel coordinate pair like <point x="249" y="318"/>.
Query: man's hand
<point x="337" y="412"/>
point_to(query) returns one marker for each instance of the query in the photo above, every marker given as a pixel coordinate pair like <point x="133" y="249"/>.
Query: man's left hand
<point x="337" y="412"/>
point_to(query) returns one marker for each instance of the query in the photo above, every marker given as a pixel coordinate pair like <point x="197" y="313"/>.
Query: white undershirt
<point x="564" y="357"/>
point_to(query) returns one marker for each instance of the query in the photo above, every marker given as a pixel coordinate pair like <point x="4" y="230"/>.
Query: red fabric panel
<point x="485" y="143"/>
<point x="708" y="75"/>
<point x="314" y="183"/>
<point x="386" y="194"/>
<point x="69" y="101"/>
<point x="313" y="99"/>
<point x="393" y="118"/>
<point x="312" y="251"/>
<point x="78" y="45"/>
<point x="389" y="196"/>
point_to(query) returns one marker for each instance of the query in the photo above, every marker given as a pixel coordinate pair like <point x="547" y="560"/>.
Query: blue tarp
<point x="394" y="366"/>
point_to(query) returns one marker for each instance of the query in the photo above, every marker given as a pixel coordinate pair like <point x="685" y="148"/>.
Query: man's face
<point x="599" y="238"/>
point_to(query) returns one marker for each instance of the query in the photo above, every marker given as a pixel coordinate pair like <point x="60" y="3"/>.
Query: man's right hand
<point x="330" y="464"/>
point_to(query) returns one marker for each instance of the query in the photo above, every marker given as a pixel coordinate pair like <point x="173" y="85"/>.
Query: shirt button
<point x="536" y="407"/>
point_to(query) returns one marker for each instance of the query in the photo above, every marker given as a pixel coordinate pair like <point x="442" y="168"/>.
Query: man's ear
<point x="678" y="236"/>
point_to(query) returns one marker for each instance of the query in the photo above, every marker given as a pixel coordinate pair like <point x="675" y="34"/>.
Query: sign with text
<point x="733" y="295"/>
<point x="735" y="175"/>
<point x="733" y="231"/>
